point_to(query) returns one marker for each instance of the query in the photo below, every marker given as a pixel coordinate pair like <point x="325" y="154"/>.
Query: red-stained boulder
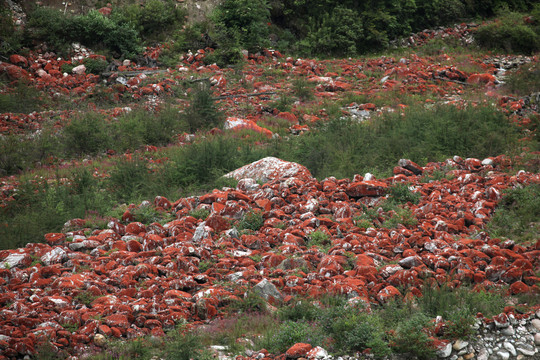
<point x="388" y="293"/>
<point x="481" y="79"/>
<point x="298" y="350"/>
<point x="366" y="188"/>
<point x="18" y="60"/>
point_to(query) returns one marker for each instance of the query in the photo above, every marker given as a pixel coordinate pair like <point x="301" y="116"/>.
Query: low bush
<point x="401" y="194"/>
<point x="202" y="113"/>
<point x="252" y="220"/>
<point x="516" y="216"/>
<point x="509" y="34"/>
<point x="343" y="148"/>
<point x="92" y="29"/>
<point x="412" y="340"/>
<point x="86" y="135"/>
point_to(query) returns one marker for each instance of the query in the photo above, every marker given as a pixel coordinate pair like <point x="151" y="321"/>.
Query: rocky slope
<point x="135" y="279"/>
<point x="82" y="286"/>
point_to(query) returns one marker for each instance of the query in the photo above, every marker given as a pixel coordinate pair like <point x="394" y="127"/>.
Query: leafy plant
<point x="252" y="220"/>
<point x="411" y="339"/>
<point x="516" y="216"/>
<point x="202" y="112"/>
<point x="200" y="213"/>
<point x="401" y="194"/>
<point x="510" y="34"/>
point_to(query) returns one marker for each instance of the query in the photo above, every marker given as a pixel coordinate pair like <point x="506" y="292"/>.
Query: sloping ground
<point x="281" y="231"/>
<point x="135" y="279"/>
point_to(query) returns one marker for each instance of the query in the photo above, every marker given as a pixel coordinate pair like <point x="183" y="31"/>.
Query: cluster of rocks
<point x="463" y="32"/>
<point x="135" y="279"/>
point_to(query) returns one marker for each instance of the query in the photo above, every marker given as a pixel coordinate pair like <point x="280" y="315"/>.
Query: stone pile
<point x="135" y="279"/>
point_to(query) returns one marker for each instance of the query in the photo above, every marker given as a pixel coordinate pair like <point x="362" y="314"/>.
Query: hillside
<point x="245" y="202"/>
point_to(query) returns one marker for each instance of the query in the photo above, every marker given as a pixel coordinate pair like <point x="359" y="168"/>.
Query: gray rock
<point x="537" y="339"/>
<point x="508" y="346"/>
<point x="509" y="331"/>
<point x="526" y="349"/>
<point x="267" y="290"/>
<point x="55" y="256"/>
<point x="201" y="232"/>
<point x="482" y="354"/>
<point x="446" y="351"/>
<point x="410" y="262"/>
<point x="14" y="260"/>
<point x="460" y="344"/>
<point x="503" y="355"/>
<point x="536" y="324"/>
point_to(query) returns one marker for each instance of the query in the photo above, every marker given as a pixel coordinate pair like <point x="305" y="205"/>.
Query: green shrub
<point x="303" y="90"/>
<point x="10" y="39"/>
<point x="252" y="220"/>
<point x="202" y="112"/>
<point x="151" y="18"/>
<point x="401" y="194"/>
<point x="185" y="346"/>
<point x="353" y="330"/>
<point x="22" y="98"/>
<point x="319" y="238"/>
<point x="410" y="338"/>
<point x="509" y="34"/>
<point x="524" y="81"/>
<point x="200" y="213"/>
<point x="290" y="333"/>
<point x="336" y="33"/>
<point x="93" y="29"/>
<point x="243" y="23"/>
<point x="95" y="65"/>
<point x="128" y="179"/>
<point x="300" y="310"/>
<point x="516" y="216"/>
<point x="339" y="149"/>
<point x="86" y="135"/>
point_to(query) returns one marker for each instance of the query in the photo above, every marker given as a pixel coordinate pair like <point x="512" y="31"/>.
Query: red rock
<point x="411" y="166"/>
<point x="234" y="123"/>
<point x="18" y="60"/>
<point x="135" y="228"/>
<point x="55" y="238"/>
<point x="218" y="223"/>
<point x="519" y="288"/>
<point x="387" y="294"/>
<point x="481" y="79"/>
<point x="366" y="188"/>
<point x="298" y="350"/>
<point x="288" y="116"/>
<point x="117" y="320"/>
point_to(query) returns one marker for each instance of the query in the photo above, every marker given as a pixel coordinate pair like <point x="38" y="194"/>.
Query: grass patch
<point x="517" y="214"/>
<point x="342" y="148"/>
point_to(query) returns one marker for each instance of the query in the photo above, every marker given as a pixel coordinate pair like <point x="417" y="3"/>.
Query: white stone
<point x="537" y="339"/>
<point x="369" y="177"/>
<point x="482" y="355"/>
<point x="446" y="351"/>
<point x="536" y="324"/>
<point x="100" y="340"/>
<point x="55" y="256"/>
<point x="317" y="353"/>
<point x="508" y="346"/>
<point x="509" y="331"/>
<point x="80" y="69"/>
<point x="526" y="349"/>
<point x="12" y="261"/>
<point x="503" y="355"/>
<point x="487" y="162"/>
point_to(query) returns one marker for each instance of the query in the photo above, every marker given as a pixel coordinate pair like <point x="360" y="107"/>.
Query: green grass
<point x="516" y="216"/>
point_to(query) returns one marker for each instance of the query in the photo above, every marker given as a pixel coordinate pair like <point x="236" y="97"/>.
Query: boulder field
<point x="133" y="279"/>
